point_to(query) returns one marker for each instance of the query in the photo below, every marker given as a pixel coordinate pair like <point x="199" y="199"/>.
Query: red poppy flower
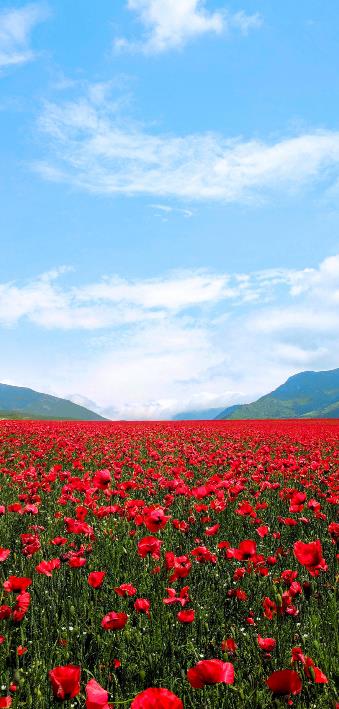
<point x="157" y="698"/>
<point x="102" y="479"/>
<point x="142" y="605"/>
<point x="46" y="567"/>
<point x="149" y="545"/>
<point x="229" y="645"/>
<point x="59" y="541"/>
<point x="114" y="621"/>
<point x="284" y="682"/>
<point x="95" y="578"/>
<point x="311" y="556"/>
<point x="16" y="584"/>
<point x="333" y="529"/>
<point x="263" y="530"/>
<point x="211" y="531"/>
<point x="5" y="612"/>
<point x="76" y="562"/>
<point x="186" y="616"/>
<point x="96" y="696"/>
<point x="155" y="519"/>
<point x="313" y="672"/>
<point x="297" y="655"/>
<point x="267" y="644"/>
<point x="21" y="606"/>
<point x="65" y="681"/>
<point x="126" y="589"/>
<point x="210" y="672"/>
<point x="5" y="702"/>
<point x="21" y="650"/>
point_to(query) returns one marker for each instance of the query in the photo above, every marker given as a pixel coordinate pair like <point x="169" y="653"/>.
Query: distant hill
<point x="201" y="415"/>
<point x="20" y="402"/>
<point x="305" y="395"/>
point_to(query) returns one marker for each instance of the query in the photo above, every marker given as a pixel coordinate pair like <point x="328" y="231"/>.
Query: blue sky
<point x="169" y="199"/>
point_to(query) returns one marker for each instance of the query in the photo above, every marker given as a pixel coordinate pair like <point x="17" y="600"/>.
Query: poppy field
<point x="168" y="565"/>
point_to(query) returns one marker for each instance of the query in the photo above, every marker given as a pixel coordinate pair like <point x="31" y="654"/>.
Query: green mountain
<point x="23" y="403"/>
<point x="305" y="395"/>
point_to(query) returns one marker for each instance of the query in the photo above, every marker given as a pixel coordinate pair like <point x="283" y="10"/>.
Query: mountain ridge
<point x="307" y="394"/>
<point x="23" y="402"/>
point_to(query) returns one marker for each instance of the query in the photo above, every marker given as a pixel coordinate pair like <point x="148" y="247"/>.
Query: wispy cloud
<point x="16" y="26"/>
<point x="170" y="24"/>
<point x="166" y="209"/>
<point x="92" y="146"/>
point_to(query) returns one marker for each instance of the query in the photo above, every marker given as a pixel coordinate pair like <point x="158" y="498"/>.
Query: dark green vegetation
<point x="305" y="395"/>
<point x="24" y="403"/>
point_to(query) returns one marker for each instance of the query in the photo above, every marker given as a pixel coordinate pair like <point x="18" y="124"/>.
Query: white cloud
<point x="192" y="339"/>
<point x="16" y="26"/>
<point x="170" y="24"/>
<point x="89" y="145"/>
<point x="114" y="301"/>
<point x="166" y="209"/>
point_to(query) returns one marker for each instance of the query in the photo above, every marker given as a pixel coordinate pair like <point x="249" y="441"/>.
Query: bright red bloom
<point x="21" y="606"/>
<point x="313" y="672"/>
<point x="5" y="702"/>
<point x="21" y="650"/>
<point x="155" y="519"/>
<point x="157" y="698"/>
<point x="5" y="612"/>
<point x="211" y="531"/>
<point x="229" y="645"/>
<point x="46" y="567"/>
<point x="95" y="578"/>
<point x="284" y="682"/>
<point x="126" y="589"/>
<point x="181" y="566"/>
<point x="114" y="621"/>
<point x="262" y="531"/>
<point x="333" y="529"/>
<point x="183" y="597"/>
<point x="96" y="696"/>
<point x="16" y="584"/>
<point x="267" y="644"/>
<point x="186" y="616"/>
<point x="76" y="562"/>
<point x="270" y="608"/>
<point x="149" y="545"/>
<point x="142" y="605"/>
<point x="311" y="556"/>
<point x="210" y="672"/>
<point x="204" y="555"/>
<point x="102" y="479"/>
<point x="297" y="655"/>
<point x="59" y="541"/>
<point x="65" y="681"/>
<point x="4" y="554"/>
<point x="247" y="550"/>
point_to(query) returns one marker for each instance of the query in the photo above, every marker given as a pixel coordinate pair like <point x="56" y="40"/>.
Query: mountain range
<point x="304" y="395"/>
<point x="23" y="403"/>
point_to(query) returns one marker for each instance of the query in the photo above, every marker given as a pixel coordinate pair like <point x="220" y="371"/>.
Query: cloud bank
<point x="147" y="348"/>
